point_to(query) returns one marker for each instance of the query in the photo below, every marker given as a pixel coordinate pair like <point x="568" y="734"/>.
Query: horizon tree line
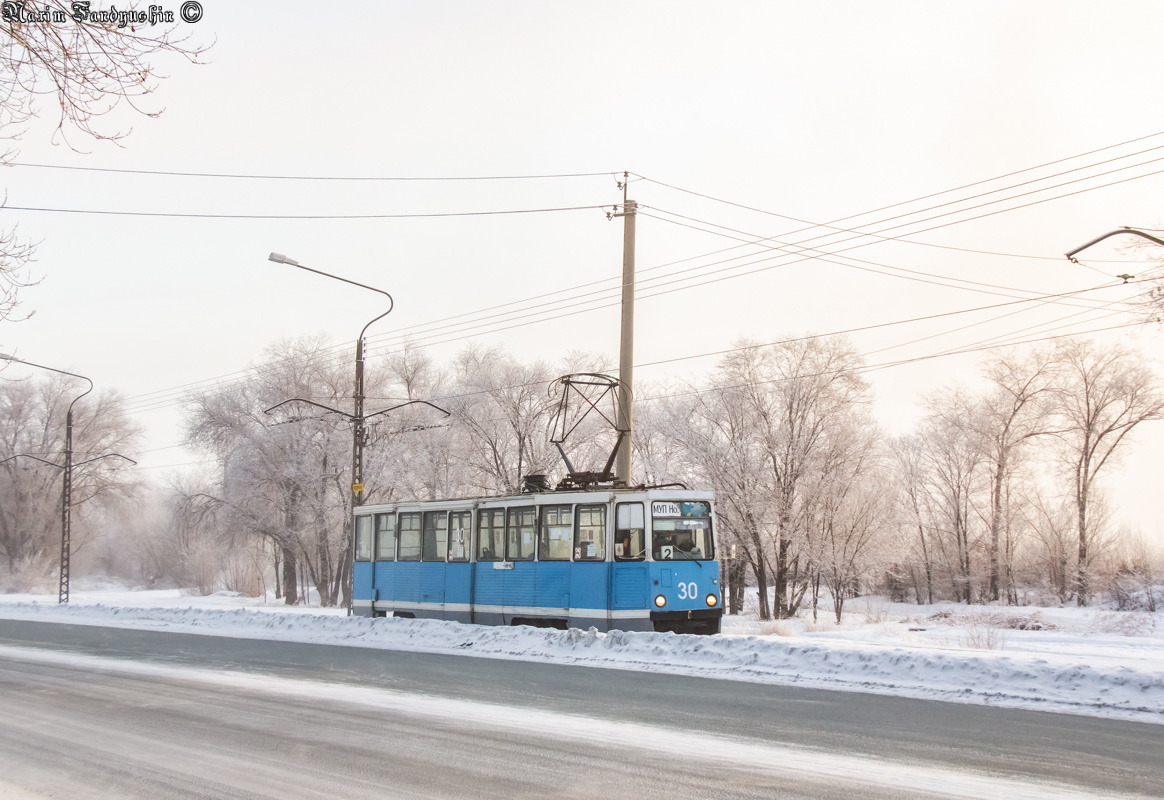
<point x="994" y="496"/>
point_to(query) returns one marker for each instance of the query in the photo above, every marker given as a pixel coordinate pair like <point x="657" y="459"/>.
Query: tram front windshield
<point x="685" y="537"/>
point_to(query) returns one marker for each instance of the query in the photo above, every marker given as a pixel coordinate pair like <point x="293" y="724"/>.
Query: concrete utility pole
<point x="626" y="351"/>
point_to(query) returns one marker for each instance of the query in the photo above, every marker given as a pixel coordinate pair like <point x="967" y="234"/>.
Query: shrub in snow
<point x="875" y="609"/>
<point x="1032" y="623"/>
<point x="1125" y="623"/>
<point x="775" y="627"/>
<point x="35" y="573"/>
<point x="981" y="633"/>
<point x="995" y="619"/>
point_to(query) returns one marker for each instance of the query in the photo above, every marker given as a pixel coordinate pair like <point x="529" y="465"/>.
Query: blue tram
<point x="632" y="560"/>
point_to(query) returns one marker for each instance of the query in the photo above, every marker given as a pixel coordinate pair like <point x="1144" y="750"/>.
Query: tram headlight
<point x="712" y="599"/>
<point x="660" y="601"/>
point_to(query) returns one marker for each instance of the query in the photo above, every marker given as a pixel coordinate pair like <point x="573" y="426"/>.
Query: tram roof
<point x="544" y="498"/>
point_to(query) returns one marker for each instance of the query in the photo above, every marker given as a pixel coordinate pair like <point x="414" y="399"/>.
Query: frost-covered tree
<point x="285" y="476"/>
<point x="82" y="68"/>
<point x="1012" y="413"/>
<point x="503" y="409"/>
<point x="761" y="434"/>
<point x="716" y="431"/>
<point x="411" y="453"/>
<point x="913" y="512"/>
<point x="1107" y="391"/>
<point x="953" y="467"/>
<point x="809" y="396"/>
<point x="32" y="432"/>
<point x="848" y="512"/>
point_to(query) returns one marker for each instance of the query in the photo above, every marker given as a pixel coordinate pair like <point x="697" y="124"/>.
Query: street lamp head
<point x="279" y="258"/>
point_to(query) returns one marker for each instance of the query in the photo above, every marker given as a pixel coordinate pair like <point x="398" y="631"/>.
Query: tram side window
<point x="590" y="536"/>
<point x="459" y="535"/>
<point x="385" y="537"/>
<point x="364" y="538"/>
<point x="520" y="529"/>
<point x="409" y="537"/>
<point x="436" y="535"/>
<point x="491" y="534"/>
<point x="630" y="543"/>
<point x="556" y="532"/>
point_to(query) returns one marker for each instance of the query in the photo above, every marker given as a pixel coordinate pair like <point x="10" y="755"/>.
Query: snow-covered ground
<point x="1081" y="661"/>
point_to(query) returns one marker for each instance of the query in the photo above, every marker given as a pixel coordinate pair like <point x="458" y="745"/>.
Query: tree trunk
<point x="996" y="527"/>
<point x="278" y="579"/>
<point x="739" y="585"/>
<point x="815" y="594"/>
<point x="290" y="576"/>
<point x="782" y="583"/>
<point x="1082" y="582"/>
<point x="345" y="585"/>
<point x="762" y="586"/>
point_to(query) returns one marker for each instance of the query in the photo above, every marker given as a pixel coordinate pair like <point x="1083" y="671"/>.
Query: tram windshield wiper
<point x="686" y="555"/>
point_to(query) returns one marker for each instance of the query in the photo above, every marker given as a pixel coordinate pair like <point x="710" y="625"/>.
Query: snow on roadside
<point x="1078" y="675"/>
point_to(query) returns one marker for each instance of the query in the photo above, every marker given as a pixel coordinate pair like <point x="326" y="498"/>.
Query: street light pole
<point x="67" y="487"/>
<point x="358" y="397"/>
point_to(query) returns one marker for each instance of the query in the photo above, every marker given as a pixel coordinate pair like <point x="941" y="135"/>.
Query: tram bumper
<point x="696" y="620"/>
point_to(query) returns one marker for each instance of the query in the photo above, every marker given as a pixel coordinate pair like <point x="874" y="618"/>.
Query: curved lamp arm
<point x="1133" y="231"/>
<point x="411" y="403"/>
<point x="34" y="458"/>
<point x="310" y="403"/>
<point x="16" y="360"/>
<point x="107" y="455"/>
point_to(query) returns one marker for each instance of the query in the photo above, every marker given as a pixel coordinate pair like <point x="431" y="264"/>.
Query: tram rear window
<point x="364" y="538"/>
<point x="630" y="533"/>
<point x="409" y="537"/>
<point x="590" y="536"/>
<point x="385" y="537"/>
<point x="460" y="535"/>
<point x="491" y="534"/>
<point x="436" y="535"/>
<point x="521" y="534"/>
<point x="556" y="532"/>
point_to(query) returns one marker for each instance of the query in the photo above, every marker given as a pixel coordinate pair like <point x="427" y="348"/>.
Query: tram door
<point x="629" y="589"/>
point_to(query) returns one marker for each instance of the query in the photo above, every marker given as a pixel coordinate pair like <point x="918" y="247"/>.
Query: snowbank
<point x="1064" y="671"/>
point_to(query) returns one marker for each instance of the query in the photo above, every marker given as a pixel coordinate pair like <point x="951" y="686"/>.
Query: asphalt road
<point x="154" y="716"/>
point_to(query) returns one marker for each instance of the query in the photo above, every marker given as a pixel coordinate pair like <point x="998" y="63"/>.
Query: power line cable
<point x="813" y="336"/>
<point x="812" y="225"/>
<point x="566" y="290"/>
<point x="305" y="216"/>
<point x="353" y="178"/>
<point x="857" y="234"/>
<point x="885" y="365"/>
<point x="948" y="191"/>
<point x="643" y="296"/>
<point x="671" y="263"/>
<point x="810" y="251"/>
<point x="955" y="222"/>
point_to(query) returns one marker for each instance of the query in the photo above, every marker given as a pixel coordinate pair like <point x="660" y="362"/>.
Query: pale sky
<point x="813" y="111"/>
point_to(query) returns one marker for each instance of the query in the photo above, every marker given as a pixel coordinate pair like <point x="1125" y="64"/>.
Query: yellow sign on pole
<point x="357" y="487"/>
